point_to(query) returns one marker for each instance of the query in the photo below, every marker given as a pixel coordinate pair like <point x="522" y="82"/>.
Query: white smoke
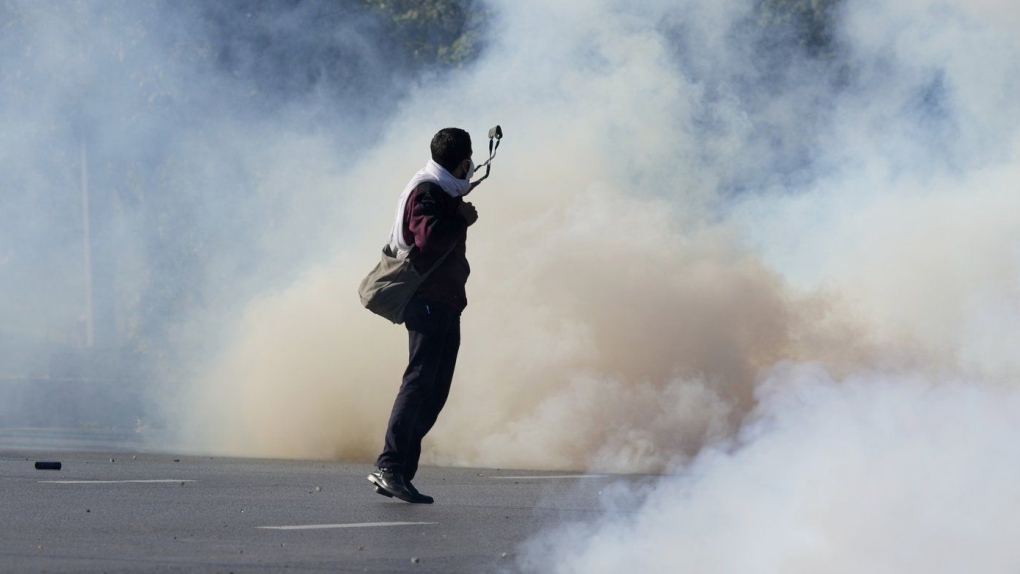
<point x="209" y="138"/>
<point x="906" y="463"/>
<point x="789" y="274"/>
<point x="670" y="214"/>
<point x="886" y="473"/>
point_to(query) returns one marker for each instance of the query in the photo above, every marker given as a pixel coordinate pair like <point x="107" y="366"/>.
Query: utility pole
<point x="89" y="319"/>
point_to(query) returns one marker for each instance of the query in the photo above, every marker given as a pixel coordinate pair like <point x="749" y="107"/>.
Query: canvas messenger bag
<point x="388" y="288"/>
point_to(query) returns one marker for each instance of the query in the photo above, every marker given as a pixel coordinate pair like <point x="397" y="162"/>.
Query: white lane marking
<point x="162" y="480"/>
<point x="353" y="525"/>
<point x="551" y="476"/>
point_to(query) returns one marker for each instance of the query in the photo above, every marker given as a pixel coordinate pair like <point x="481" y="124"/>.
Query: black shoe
<point x="418" y="498"/>
<point x="390" y="484"/>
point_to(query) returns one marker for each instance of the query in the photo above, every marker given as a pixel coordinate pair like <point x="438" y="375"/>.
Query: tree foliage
<point x="434" y="32"/>
<point x="810" y="21"/>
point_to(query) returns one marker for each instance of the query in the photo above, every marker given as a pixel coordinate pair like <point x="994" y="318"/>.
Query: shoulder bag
<point x="388" y="288"/>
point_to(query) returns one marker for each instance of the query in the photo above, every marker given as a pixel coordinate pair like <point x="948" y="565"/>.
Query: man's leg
<point x="436" y="399"/>
<point x="427" y="326"/>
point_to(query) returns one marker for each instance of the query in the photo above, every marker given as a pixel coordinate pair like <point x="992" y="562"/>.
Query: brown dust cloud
<point x="778" y="272"/>
<point x="677" y="229"/>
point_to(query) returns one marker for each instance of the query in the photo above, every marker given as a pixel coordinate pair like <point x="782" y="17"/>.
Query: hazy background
<point x="769" y="249"/>
<point x="689" y="193"/>
<point x="213" y="137"/>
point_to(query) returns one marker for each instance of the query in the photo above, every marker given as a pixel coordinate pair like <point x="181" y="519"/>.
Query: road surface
<point x="138" y="512"/>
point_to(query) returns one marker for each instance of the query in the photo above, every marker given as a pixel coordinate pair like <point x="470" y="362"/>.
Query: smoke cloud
<point x="894" y="461"/>
<point x="614" y="320"/>
<point x="879" y="472"/>
<point x="784" y="274"/>
<point x="160" y="163"/>
<point x="782" y="269"/>
<point x="673" y="212"/>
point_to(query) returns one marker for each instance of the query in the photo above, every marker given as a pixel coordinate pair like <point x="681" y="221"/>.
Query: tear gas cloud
<point x="786" y="270"/>
<point x="885" y="472"/>
<point x="681" y="203"/>
<point x="210" y="157"/>
<point x="897" y="457"/>
<point x="789" y="275"/>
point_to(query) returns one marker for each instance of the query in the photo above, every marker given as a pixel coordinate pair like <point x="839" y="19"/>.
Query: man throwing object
<point x="430" y="226"/>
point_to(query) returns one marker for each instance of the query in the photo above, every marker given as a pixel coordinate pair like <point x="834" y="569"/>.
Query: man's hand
<point x="468" y="212"/>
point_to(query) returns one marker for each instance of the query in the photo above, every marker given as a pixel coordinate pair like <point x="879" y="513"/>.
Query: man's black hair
<point x="450" y="146"/>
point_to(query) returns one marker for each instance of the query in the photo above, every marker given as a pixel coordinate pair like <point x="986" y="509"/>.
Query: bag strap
<point x="439" y="262"/>
<point x="495" y="136"/>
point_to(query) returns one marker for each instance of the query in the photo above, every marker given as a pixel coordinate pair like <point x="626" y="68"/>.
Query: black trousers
<point x="433" y="333"/>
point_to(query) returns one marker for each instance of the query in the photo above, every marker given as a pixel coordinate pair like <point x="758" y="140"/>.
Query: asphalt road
<point x="135" y="512"/>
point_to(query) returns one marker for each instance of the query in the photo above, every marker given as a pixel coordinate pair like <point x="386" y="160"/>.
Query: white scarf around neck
<point x="434" y="173"/>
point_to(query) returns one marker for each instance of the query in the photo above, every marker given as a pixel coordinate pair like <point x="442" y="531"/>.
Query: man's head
<point x="451" y="148"/>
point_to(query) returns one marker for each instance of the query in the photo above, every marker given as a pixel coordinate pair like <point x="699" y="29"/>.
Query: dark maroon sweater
<point x="432" y="226"/>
